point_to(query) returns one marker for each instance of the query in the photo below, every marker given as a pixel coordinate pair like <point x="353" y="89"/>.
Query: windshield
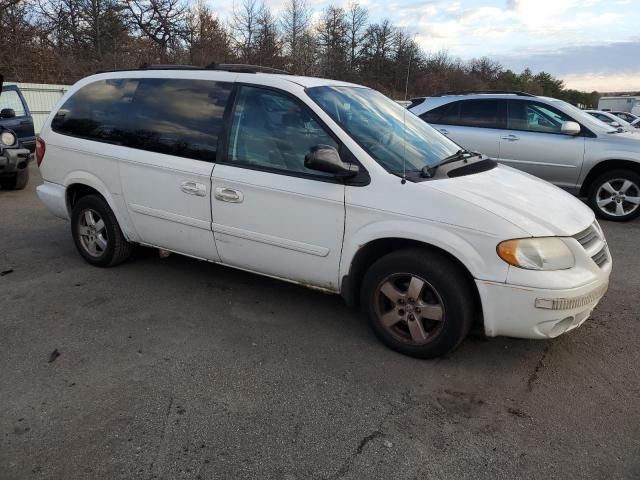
<point x="583" y="117"/>
<point x="396" y="138"/>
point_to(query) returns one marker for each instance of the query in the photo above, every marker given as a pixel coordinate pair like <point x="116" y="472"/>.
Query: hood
<point x="535" y="206"/>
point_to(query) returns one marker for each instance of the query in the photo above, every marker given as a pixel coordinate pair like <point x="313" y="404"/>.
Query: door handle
<point x="511" y="138"/>
<point x="228" y="195"/>
<point x="194" y="188"/>
<point x="443" y="131"/>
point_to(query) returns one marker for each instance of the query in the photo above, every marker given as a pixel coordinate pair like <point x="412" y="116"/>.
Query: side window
<point x="535" y="117"/>
<point x="170" y="116"/>
<point x="272" y="131"/>
<point x="11" y="99"/>
<point x="446" y="114"/>
<point x="482" y="113"/>
<point x="97" y="111"/>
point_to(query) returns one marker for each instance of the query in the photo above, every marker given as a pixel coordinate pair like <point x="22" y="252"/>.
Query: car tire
<point x="96" y="233"/>
<point x="609" y="195"/>
<point x="418" y="302"/>
<point x="16" y="181"/>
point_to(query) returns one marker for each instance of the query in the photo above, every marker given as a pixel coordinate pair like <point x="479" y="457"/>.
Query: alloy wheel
<point x="92" y="233"/>
<point x="618" y="197"/>
<point x="409" y="308"/>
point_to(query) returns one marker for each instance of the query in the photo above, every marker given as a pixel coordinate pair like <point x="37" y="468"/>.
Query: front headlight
<point x="548" y="253"/>
<point x="7" y="138"/>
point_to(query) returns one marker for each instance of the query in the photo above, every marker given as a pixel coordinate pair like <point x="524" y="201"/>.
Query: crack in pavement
<point x="535" y="374"/>
<point x="164" y="433"/>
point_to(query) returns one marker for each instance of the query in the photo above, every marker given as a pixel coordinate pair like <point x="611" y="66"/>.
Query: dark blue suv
<point x="17" y="138"/>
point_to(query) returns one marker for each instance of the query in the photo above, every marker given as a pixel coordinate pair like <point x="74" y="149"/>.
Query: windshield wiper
<point x="429" y="171"/>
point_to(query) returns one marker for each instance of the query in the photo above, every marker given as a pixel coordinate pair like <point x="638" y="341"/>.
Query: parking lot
<point x="176" y="368"/>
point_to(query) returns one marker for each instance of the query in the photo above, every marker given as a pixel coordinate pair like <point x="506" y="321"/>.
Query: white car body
<point x="612" y="120"/>
<point x="310" y="232"/>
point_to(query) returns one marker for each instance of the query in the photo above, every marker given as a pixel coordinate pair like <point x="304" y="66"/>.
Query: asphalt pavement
<point x="179" y="369"/>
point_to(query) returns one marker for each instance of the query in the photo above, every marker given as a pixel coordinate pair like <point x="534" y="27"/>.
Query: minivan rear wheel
<point x="97" y="234"/>
<point x="418" y="303"/>
<point x="615" y="195"/>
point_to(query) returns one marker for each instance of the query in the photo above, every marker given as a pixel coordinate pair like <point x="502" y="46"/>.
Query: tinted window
<point x="170" y="116"/>
<point x="11" y="99"/>
<point x="273" y="131"/>
<point x="446" y="114"/>
<point x="481" y="113"/>
<point x="536" y="117"/>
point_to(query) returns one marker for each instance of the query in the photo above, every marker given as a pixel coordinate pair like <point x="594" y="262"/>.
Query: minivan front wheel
<point x="615" y="195"/>
<point x="418" y="302"/>
<point x="97" y="234"/>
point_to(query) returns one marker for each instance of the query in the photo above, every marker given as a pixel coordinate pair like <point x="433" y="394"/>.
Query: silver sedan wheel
<point x="92" y="232"/>
<point x="409" y="308"/>
<point x="618" y="197"/>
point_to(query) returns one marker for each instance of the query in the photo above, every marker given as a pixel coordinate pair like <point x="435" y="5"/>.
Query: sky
<point x="590" y="44"/>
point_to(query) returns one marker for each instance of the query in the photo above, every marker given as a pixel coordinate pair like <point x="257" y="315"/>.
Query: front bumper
<point x="524" y="312"/>
<point x="13" y="160"/>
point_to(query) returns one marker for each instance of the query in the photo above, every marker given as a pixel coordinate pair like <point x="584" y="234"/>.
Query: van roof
<point x="239" y="73"/>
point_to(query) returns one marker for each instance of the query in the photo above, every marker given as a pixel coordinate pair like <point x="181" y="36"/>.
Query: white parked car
<point x="612" y="120"/>
<point x="548" y="138"/>
<point x="632" y="119"/>
<point x="326" y="184"/>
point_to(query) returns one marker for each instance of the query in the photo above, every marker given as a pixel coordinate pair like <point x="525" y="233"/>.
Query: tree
<point x="208" y="42"/>
<point x="267" y="42"/>
<point x="356" y="19"/>
<point x="244" y="29"/>
<point x="332" y="42"/>
<point x="163" y="22"/>
<point x="295" y="28"/>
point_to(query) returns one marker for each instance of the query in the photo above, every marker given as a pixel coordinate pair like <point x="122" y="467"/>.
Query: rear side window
<point x="446" y="114"/>
<point x="482" y="113"/>
<point x="170" y="116"/>
<point x="11" y="99"/>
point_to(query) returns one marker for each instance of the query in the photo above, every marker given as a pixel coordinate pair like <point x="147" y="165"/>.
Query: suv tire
<point x="16" y="181"/>
<point x="96" y="233"/>
<point x="609" y="192"/>
<point x="418" y="303"/>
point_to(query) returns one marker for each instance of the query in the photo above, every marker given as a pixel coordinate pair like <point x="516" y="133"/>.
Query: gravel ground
<point x="175" y="368"/>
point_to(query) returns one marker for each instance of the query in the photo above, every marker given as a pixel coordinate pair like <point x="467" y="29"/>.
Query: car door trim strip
<point x="172" y="217"/>
<point x="271" y="240"/>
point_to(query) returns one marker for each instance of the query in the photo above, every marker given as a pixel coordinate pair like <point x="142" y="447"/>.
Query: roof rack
<point x="497" y="92"/>
<point x="227" y="67"/>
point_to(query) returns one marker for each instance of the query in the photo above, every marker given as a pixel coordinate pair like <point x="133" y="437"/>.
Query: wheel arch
<point x="604" y="166"/>
<point x="368" y="253"/>
<point x="81" y="184"/>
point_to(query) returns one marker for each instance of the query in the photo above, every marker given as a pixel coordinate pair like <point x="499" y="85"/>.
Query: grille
<point x="592" y="240"/>
<point x="601" y="257"/>
<point x="587" y="237"/>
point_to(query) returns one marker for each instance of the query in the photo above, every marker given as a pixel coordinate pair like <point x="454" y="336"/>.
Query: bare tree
<point x="357" y="17"/>
<point x="295" y="21"/>
<point x="163" y="22"/>
<point x="267" y="40"/>
<point x="244" y="28"/>
<point x="332" y="41"/>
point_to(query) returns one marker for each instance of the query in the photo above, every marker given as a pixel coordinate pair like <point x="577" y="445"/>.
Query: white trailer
<point x="623" y="103"/>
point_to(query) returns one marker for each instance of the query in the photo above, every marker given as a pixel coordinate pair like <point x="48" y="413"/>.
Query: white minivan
<point x="326" y="184"/>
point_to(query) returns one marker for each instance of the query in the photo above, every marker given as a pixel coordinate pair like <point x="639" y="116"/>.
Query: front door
<point x="271" y="214"/>
<point x="533" y="142"/>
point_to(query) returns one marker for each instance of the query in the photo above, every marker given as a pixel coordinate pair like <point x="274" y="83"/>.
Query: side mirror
<point x="7" y="113"/>
<point x="615" y="124"/>
<point x="570" y="128"/>
<point x="325" y="158"/>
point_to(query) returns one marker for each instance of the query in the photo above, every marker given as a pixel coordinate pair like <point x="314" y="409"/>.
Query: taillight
<point x="41" y="148"/>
